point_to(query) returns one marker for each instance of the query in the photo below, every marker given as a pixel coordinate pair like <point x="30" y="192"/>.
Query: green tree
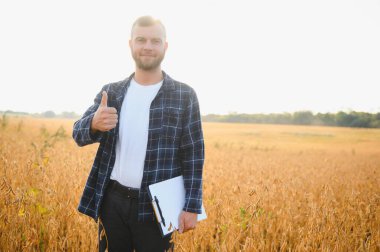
<point x="303" y="117"/>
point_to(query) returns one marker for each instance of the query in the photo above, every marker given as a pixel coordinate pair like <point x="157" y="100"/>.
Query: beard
<point x="147" y="65"/>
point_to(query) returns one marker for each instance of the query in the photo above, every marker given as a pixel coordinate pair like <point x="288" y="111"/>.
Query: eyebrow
<point x="141" y="37"/>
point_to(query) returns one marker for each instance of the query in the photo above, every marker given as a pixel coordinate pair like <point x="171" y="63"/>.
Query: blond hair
<point x="147" y="21"/>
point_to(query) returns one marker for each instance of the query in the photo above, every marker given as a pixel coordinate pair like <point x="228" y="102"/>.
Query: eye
<point x="140" y="40"/>
<point x="156" y="41"/>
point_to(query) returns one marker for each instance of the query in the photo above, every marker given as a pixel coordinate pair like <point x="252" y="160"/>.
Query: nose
<point x="148" y="45"/>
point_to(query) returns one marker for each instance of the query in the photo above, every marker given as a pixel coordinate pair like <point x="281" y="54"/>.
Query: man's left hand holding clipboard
<point x="187" y="221"/>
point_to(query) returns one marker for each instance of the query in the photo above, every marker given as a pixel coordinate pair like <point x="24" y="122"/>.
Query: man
<point x="149" y="130"/>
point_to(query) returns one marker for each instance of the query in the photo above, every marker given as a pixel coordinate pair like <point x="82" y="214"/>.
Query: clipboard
<point x="168" y="199"/>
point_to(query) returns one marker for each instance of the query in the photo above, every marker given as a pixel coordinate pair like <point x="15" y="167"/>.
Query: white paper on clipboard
<point x="170" y="195"/>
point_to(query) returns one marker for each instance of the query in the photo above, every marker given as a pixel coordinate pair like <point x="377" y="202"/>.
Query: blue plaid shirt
<point x="175" y="146"/>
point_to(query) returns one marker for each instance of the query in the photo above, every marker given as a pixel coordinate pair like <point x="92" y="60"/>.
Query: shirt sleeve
<point x="192" y="155"/>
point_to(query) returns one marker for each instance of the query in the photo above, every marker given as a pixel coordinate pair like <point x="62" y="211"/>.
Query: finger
<point x="184" y="225"/>
<point x="103" y="102"/>
<point x="187" y="226"/>
<point x="181" y="224"/>
<point x="110" y="122"/>
<point x="110" y="117"/>
<point x="106" y="115"/>
<point x="109" y="127"/>
<point x="110" y="110"/>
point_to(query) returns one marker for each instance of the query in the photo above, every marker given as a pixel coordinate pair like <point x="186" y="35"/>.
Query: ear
<point x="166" y="45"/>
<point x="130" y="43"/>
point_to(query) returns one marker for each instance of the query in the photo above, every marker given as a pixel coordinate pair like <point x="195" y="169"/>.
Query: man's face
<point x="148" y="46"/>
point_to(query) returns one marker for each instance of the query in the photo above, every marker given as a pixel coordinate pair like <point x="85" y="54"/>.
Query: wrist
<point x="93" y="128"/>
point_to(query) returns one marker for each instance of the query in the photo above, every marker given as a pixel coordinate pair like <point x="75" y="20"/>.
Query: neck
<point x="145" y="77"/>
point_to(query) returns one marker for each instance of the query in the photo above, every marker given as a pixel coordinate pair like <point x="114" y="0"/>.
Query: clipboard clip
<point x="156" y="206"/>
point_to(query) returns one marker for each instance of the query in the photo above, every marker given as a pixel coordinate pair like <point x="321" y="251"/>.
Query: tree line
<point x="46" y="114"/>
<point x="342" y="119"/>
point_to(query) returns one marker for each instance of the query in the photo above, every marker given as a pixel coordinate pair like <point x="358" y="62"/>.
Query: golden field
<point x="266" y="188"/>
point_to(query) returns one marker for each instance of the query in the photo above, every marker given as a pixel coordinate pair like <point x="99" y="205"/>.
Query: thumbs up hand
<point x="105" y="117"/>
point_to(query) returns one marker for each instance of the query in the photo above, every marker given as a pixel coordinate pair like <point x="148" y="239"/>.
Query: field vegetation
<point x="266" y="188"/>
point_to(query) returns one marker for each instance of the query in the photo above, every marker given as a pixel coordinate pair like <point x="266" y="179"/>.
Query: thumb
<point x="103" y="102"/>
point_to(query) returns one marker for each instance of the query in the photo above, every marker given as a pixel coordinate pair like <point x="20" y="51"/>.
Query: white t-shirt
<point x="133" y="134"/>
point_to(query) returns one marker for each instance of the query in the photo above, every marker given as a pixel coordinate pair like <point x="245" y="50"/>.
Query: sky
<point x="239" y="56"/>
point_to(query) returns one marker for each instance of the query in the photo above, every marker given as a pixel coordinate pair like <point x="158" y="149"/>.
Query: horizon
<point x="57" y="114"/>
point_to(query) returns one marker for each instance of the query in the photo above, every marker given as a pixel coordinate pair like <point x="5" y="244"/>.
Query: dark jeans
<point x="118" y="216"/>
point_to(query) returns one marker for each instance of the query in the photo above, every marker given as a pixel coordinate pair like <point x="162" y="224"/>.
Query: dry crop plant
<point x="266" y="188"/>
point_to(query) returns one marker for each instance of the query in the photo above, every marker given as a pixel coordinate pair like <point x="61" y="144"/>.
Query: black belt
<point x="128" y="192"/>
